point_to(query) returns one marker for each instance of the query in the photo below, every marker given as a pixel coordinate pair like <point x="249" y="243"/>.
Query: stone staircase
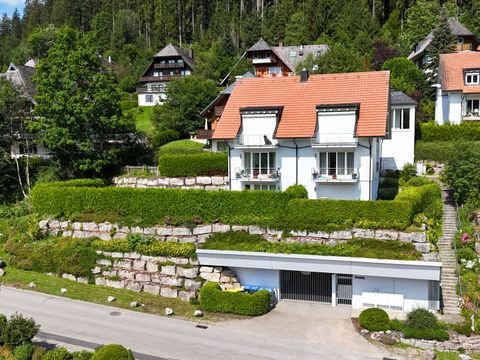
<point x="447" y="255"/>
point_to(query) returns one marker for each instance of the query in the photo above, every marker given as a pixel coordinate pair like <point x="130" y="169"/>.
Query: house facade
<point x="168" y="64"/>
<point x="321" y="131"/>
<point x="458" y="90"/>
<point x="275" y="61"/>
<point x="25" y="144"/>
<point x="465" y="40"/>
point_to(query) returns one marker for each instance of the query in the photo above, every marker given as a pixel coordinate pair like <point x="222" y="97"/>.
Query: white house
<point x="322" y="131"/>
<point x="398" y="149"/>
<point x="458" y="90"/>
<point x="168" y="64"/>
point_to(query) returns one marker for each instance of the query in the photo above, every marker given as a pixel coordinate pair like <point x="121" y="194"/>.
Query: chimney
<point x="280" y="44"/>
<point x="190" y="53"/>
<point x="109" y="59"/>
<point x="304" y="75"/>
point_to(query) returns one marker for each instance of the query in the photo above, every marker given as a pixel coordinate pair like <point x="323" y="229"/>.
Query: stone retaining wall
<point x="168" y="277"/>
<point x="456" y="341"/>
<point x="197" y="183"/>
<point x="200" y="233"/>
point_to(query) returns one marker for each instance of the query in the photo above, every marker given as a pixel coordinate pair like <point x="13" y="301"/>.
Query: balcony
<point x="177" y="65"/>
<point x="160" y="78"/>
<point x="338" y="140"/>
<point x="256" y="141"/>
<point x="261" y="61"/>
<point x="145" y="90"/>
<point x="334" y="175"/>
<point x="204" y="133"/>
<point x="260" y="175"/>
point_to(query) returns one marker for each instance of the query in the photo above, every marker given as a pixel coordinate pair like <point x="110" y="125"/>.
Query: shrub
<point x="297" y="192"/>
<point x="464" y="328"/>
<point x="203" y="164"/>
<point x="164" y="137"/>
<point x="6" y="353"/>
<point x="39" y="353"/>
<point x="408" y="172"/>
<point x="24" y="351"/>
<point x="421" y="197"/>
<point x="112" y="351"/>
<point x="467" y="254"/>
<point x="426" y="334"/>
<point x="152" y="248"/>
<point x="440" y="151"/>
<point x="374" y="319"/>
<point x="421" y="319"/>
<point x="77" y="183"/>
<point x="212" y="298"/>
<point x="181" y="147"/>
<point x="387" y="193"/>
<point x="82" y="355"/>
<point x="58" y="354"/>
<point x="19" y="330"/>
<point x="396" y="325"/>
<point x="465" y="131"/>
<point x="419" y="181"/>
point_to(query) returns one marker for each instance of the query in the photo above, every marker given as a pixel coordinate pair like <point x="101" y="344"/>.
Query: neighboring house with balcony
<point x="168" y="64"/>
<point x="465" y="40"/>
<point x="458" y="90"/>
<point x="25" y="144"/>
<point x="273" y="61"/>
<point x="322" y="131"/>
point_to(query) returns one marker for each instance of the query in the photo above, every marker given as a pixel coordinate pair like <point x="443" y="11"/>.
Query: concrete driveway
<point x="317" y="325"/>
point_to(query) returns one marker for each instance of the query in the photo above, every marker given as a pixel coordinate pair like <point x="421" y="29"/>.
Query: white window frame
<point x="472" y="78"/>
<point x="149" y="98"/>
<point x="341" y="166"/>
<point x="254" y="172"/>
<point x="473" y="107"/>
<point x="401" y="125"/>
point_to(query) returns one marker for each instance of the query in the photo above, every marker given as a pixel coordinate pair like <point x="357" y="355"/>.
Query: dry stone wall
<point x="197" y="183"/>
<point x="200" y="233"/>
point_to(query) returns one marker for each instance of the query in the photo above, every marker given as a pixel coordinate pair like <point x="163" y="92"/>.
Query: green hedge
<point x="440" y="151"/>
<point x="426" y="334"/>
<point x="112" y="351"/>
<point x="76" y="183"/>
<point x="212" y="298"/>
<point x="466" y="131"/>
<point x="374" y="319"/>
<point x="421" y="197"/>
<point x="315" y="215"/>
<point x="203" y="164"/>
<point x="155" y="248"/>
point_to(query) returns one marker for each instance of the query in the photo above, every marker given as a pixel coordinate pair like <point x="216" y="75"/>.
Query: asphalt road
<point x="157" y="338"/>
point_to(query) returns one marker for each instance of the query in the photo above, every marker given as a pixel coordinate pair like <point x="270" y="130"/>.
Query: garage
<point x="306" y="286"/>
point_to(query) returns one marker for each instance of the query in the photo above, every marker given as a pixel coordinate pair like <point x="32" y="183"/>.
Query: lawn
<point x="143" y="119"/>
<point x="98" y="294"/>
<point x="181" y="147"/>
<point x="366" y="248"/>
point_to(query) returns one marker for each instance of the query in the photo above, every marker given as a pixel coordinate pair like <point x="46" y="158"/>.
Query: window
<point x="459" y="40"/>
<point x="473" y="106"/>
<point x="401" y="119"/>
<point x="471" y="78"/>
<point x="336" y="163"/>
<point x="156" y="74"/>
<point x="293" y="53"/>
<point x="275" y="70"/>
<point x="149" y="98"/>
<point x="264" y="187"/>
<point x="259" y="164"/>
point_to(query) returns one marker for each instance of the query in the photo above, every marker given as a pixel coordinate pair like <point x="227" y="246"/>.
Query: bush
<point x="387" y="193"/>
<point x="164" y="137"/>
<point x="419" y="181"/>
<point x="297" y="192"/>
<point x="325" y="215"/>
<point x="212" y="298"/>
<point x="421" y="319"/>
<point x="203" y="164"/>
<point x="426" y="334"/>
<point x="464" y="328"/>
<point x="181" y="147"/>
<point x="396" y="325"/>
<point x="421" y="197"/>
<point x="82" y="355"/>
<point x="39" y="353"/>
<point x="58" y="354"/>
<point x="24" y="351"/>
<point x="98" y="183"/>
<point x="440" y="151"/>
<point x="467" y="254"/>
<point x="18" y="330"/>
<point x="408" y="171"/>
<point x="466" y="131"/>
<point x="112" y="351"/>
<point x="374" y="319"/>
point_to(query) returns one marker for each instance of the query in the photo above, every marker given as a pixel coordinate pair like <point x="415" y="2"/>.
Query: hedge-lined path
<point x="169" y="338"/>
<point x="447" y="254"/>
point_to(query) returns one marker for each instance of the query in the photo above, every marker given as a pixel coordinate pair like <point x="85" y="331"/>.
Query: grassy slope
<point x="182" y="147"/>
<point x="143" y="119"/>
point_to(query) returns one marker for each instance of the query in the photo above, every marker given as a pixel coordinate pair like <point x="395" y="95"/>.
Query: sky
<point x="7" y="6"/>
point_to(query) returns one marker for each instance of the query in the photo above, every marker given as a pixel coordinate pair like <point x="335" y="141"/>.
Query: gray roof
<point x="400" y="98"/>
<point x="294" y="55"/>
<point x="457" y="29"/>
<point x="260" y="45"/>
<point x="21" y="76"/>
<point x="172" y="50"/>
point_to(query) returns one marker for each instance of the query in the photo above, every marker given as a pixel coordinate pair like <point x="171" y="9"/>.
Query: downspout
<point x="229" y="168"/>
<point x="296" y="162"/>
<point x="370" y="170"/>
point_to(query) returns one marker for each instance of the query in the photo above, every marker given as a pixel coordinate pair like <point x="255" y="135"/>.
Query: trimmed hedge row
<point x="203" y="164"/>
<point x="148" y="207"/>
<point x="155" y="248"/>
<point x="440" y="151"/>
<point x="77" y="183"/>
<point x="212" y="298"/>
<point x="465" y="131"/>
<point x="421" y="197"/>
<point x="318" y="215"/>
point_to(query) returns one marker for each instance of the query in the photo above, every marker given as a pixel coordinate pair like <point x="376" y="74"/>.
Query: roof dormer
<point x="472" y="77"/>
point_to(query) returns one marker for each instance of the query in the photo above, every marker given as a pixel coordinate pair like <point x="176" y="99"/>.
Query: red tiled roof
<point x="452" y="67"/>
<point x="299" y="101"/>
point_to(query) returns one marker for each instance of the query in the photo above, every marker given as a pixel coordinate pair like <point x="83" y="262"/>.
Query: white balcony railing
<point x="257" y="174"/>
<point x="335" y="175"/>
<point x="262" y="141"/>
<point x="266" y="60"/>
<point x="334" y="139"/>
